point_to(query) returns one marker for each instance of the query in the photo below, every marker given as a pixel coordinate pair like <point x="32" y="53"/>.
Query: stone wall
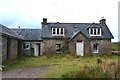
<point x="30" y="51"/>
<point x="78" y="37"/>
<point x="48" y="46"/>
<point x="13" y="49"/>
<point x="9" y="48"/>
<point x="4" y="48"/>
<point x="103" y="45"/>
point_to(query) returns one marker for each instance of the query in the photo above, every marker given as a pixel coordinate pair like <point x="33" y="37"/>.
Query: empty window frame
<point x="58" y="47"/>
<point x="95" y="48"/>
<point x="26" y="46"/>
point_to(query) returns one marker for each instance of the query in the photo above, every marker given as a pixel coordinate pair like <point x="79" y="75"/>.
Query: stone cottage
<point x="10" y="44"/>
<point x="72" y="38"/>
<point x="81" y="38"/>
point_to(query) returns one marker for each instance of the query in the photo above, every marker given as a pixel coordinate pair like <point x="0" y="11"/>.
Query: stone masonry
<point x="49" y="45"/>
<point x="78" y="37"/>
<point x="104" y="46"/>
<point x="9" y="48"/>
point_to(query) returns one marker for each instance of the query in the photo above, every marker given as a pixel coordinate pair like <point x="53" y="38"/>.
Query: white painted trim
<point x="96" y="32"/>
<point x="59" y="32"/>
<point x="52" y="30"/>
<point x="96" y="51"/>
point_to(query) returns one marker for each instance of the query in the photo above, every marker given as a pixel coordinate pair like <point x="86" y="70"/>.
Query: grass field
<point x="62" y="66"/>
<point x="115" y="46"/>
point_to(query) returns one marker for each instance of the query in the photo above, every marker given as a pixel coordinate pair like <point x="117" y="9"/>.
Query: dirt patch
<point x="26" y="72"/>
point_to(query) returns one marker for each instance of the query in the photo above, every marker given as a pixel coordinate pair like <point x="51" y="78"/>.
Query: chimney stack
<point x="18" y="26"/>
<point x="102" y="21"/>
<point x="44" y="21"/>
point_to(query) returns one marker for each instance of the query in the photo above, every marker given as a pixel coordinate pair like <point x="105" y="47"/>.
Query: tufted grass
<point x="104" y="67"/>
<point x="69" y="65"/>
<point x="60" y="65"/>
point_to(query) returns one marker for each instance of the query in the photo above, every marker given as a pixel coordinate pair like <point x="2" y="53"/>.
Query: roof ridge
<point x="68" y="23"/>
<point x="25" y="28"/>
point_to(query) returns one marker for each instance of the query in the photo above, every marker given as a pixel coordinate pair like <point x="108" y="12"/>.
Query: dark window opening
<point x="53" y="30"/>
<point x="61" y="30"/>
<point x="91" y="32"/>
<point x="79" y="40"/>
<point x="58" y="46"/>
<point x="23" y="45"/>
<point x="26" y="45"/>
<point x="98" y="31"/>
<point x="95" y="48"/>
<point x="57" y="30"/>
<point x="94" y="31"/>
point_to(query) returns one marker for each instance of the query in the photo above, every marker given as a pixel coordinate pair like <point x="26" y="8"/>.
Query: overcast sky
<point x="29" y="13"/>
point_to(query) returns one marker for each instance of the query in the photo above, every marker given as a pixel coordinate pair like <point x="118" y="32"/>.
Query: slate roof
<point x="28" y="34"/>
<point x="46" y="31"/>
<point x="8" y="32"/>
<point x="77" y="34"/>
<point x="71" y="28"/>
<point x="94" y="25"/>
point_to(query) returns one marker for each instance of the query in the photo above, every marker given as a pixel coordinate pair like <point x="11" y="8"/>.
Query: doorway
<point x="80" y="48"/>
<point x="37" y="49"/>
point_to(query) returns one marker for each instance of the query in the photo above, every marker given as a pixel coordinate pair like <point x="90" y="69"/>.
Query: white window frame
<point x="59" y="34"/>
<point x="26" y="44"/>
<point x="93" y="29"/>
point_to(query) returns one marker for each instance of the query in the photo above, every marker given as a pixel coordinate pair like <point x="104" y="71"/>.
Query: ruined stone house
<point x="72" y="38"/>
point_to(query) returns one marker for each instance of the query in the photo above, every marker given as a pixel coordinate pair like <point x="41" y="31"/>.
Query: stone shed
<point x="10" y="43"/>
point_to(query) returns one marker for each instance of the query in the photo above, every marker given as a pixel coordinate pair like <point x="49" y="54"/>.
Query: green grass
<point x="115" y="46"/>
<point x="60" y="65"/>
<point x="72" y="64"/>
<point x="105" y="67"/>
<point x="25" y="62"/>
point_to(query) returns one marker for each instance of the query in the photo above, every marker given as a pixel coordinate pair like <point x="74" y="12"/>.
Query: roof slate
<point x="6" y="31"/>
<point x="94" y="25"/>
<point x="29" y="34"/>
<point x="46" y="31"/>
<point x="71" y="28"/>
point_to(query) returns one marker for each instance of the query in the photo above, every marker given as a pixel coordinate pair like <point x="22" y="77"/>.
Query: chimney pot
<point x="102" y="21"/>
<point x="44" y="20"/>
